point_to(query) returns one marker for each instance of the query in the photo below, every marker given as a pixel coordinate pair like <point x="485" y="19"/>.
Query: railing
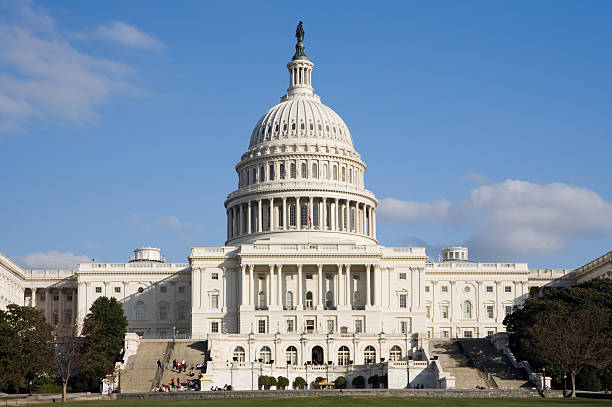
<point x="159" y="374"/>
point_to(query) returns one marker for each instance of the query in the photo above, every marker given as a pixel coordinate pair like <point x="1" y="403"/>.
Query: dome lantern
<point x="300" y="71"/>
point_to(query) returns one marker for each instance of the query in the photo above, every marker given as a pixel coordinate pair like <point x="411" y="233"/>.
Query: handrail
<point x="166" y="361"/>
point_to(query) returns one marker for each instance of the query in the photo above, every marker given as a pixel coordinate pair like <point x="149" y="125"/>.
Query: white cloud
<point x="52" y="260"/>
<point x="475" y="178"/>
<point x="44" y="77"/>
<point x="412" y="212"/>
<point x="513" y="217"/>
<point x="170" y="221"/>
<point x="129" y="36"/>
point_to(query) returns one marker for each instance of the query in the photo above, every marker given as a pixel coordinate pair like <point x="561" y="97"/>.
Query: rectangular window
<point x="214" y="327"/>
<point x="69" y="297"/>
<point x="490" y="311"/>
<point x="271" y="172"/>
<point x="163" y="289"/>
<point x="181" y="311"/>
<point x="328" y="276"/>
<point x="402" y="300"/>
<point x="490" y="333"/>
<point x="214" y="301"/>
<point x="214" y="276"/>
<point x="402" y="276"/>
<point x="428" y="311"/>
<point x="181" y="289"/>
<point x="261" y="326"/>
<point x="117" y="289"/>
<point x="444" y="312"/>
<point x="507" y="289"/>
<point x="489" y="288"/>
<point x="261" y="276"/>
<point x="358" y="326"/>
<point x="356" y="276"/>
<point x="426" y="288"/>
<point x="444" y="288"/>
<point x="330" y="325"/>
<point x="290" y="325"/>
<point x="310" y="325"/>
<point x="467" y="334"/>
<point x="98" y="290"/>
<point x="282" y="171"/>
<point x="163" y="311"/>
<point x="403" y="327"/>
<point x="445" y="334"/>
<point x="508" y="309"/>
<point x="308" y="276"/>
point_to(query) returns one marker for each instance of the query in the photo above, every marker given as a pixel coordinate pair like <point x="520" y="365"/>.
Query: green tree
<point x="319" y="379"/>
<point x="299" y="383"/>
<point x="374" y="381"/>
<point x="358" y="382"/>
<point x="566" y="329"/>
<point x="272" y="381"/>
<point x="340" y="382"/>
<point x="263" y="382"/>
<point x="283" y="382"/>
<point x="103" y="334"/>
<point x="26" y="351"/>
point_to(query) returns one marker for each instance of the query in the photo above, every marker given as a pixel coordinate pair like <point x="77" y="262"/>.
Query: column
<point x="284" y="210"/>
<point x="334" y="217"/>
<point x="259" y="219"/>
<point x="369" y="223"/>
<point x="478" y="283"/>
<point x="497" y="305"/>
<point x="249" y="225"/>
<point x="271" y="214"/>
<point x="348" y="293"/>
<point x="272" y="286"/>
<point x="268" y="288"/>
<point x="363" y="221"/>
<point x="421" y="288"/>
<point x="298" y="212"/>
<point x="224" y="297"/>
<point x="241" y="220"/>
<point x="323" y="220"/>
<point x="299" y="293"/>
<point x="229" y="233"/>
<point x="48" y="301"/>
<point x="60" y="312"/>
<point x="377" y="286"/>
<point x="374" y="223"/>
<point x="452" y="302"/>
<point x="320" y="283"/>
<point x="413" y="290"/>
<point x="251" y="285"/>
<point x="434" y="306"/>
<point x="243" y="285"/>
<point x="368" y="287"/>
<point x="340" y="293"/>
<point x="279" y="280"/>
<point x="81" y="308"/>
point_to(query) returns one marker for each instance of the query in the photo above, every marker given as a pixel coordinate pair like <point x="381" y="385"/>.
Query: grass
<point x="350" y="402"/>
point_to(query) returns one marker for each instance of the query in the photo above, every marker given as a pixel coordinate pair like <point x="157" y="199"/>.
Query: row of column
<point x="48" y="308"/>
<point x="332" y="214"/>
<point x="277" y="296"/>
<point x="299" y="76"/>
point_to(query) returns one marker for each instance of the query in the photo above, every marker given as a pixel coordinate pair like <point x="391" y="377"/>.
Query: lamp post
<point x="543" y="378"/>
<point x="564" y="385"/>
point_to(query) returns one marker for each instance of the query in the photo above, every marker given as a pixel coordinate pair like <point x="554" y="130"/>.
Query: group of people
<point x="190" y="383"/>
<point x="226" y="387"/>
<point x="179" y="386"/>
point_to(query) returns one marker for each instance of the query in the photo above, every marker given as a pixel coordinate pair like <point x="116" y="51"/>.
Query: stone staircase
<point x="453" y="361"/>
<point x="141" y="368"/>
<point x="193" y="352"/>
<point x="483" y="353"/>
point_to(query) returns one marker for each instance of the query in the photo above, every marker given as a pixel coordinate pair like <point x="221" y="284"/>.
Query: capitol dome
<point x="301" y="178"/>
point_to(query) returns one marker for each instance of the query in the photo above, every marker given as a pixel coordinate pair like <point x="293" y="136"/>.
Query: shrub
<point x="283" y="382"/>
<point x="299" y="383"/>
<point x="263" y="382"/>
<point x="358" y="382"/>
<point x="340" y="382"/>
<point x="272" y="381"/>
<point x="319" y="379"/>
<point x="374" y="381"/>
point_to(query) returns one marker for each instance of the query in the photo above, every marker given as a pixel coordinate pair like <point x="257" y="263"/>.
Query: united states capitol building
<point x="301" y="281"/>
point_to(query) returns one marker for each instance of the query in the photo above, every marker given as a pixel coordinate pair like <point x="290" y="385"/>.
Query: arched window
<point x="395" y="353"/>
<point x="293" y="171"/>
<point x="356" y="299"/>
<point x="467" y="309"/>
<point x="301" y="126"/>
<point x="282" y="170"/>
<point x="289" y="300"/>
<point x="163" y="310"/>
<point x="324" y="171"/>
<point x="369" y="355"/>
<point x="181" y="311"/>
<point x="343" y="174"/>
<point x="271" y="172"/>
<point x="291" y="215"/>
<point x="262" y="174"/>
<point x="309" y="299"/>
<point x="344" y="355"/>
<point x="261" y="299"/>
<point x="315" y="170"/>
<point x="351" y="175"/>
<point x="329" y="299"/>
<point x="304" y="173"/>
<point x="140" y="311"/>
<point x="304" y="215"/>
<point x="291" y="354"/>
<point x="335" y="173"/>
<point x="265" y="354"/>
<point x="239" y="354"/>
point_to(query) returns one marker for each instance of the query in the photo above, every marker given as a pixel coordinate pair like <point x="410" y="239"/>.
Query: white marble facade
<point x="301" y="278"/>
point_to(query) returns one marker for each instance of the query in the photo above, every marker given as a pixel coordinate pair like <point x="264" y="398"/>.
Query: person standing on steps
<point x="159" y="365"/>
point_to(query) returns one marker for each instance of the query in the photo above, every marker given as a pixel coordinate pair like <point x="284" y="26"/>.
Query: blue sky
<point x="482" y="123"/>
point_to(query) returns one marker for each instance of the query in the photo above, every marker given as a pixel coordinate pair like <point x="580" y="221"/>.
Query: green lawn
<point x="349" y="402"/>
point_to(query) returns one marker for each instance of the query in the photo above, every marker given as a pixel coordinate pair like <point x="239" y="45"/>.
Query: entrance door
<point x="317" y="355"/>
